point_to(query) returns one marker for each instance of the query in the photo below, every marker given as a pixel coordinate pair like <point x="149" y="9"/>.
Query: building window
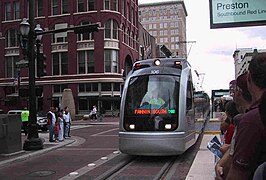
<point x="59" y="88"/>
<point x="132" y="15"/>
<point x="64" y="6"/>
<point x="111" y="30"/>
<point x="116" y="87"/>
<point x="91" y="5"/>
<point x="60" y="37"/>
<point x="83" y="103"/>
<point x="17" y="10"/>
<point x="106" y="86"/>
<point x="88" y="87"/>
<point x="8" y="15"/>
<point x="11" y="38"/>
<point x="111" y="60"/>
<point x="115" y="5"/>
<point x="55" y="7"/>
<point x="123" y="32"/>
<point x="11" y="70"/>
<point x="60" y="63"/>
<point x="40" y="8"/>
<point x="106" y="5"/>
<point x="80" y="5"/>
<point x="85" y="62"/>
<point x="122" y="8"/>
<point x="128" y="37"/>
<point x="86" y="35"/>
<point x="128" y="11"/>
<point x="125" y="36"/>
<point x="132" y="39"/>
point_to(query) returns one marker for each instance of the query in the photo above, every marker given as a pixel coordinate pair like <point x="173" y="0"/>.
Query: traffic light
<point x="89" y="28"/>
<point x="41" y="65"/>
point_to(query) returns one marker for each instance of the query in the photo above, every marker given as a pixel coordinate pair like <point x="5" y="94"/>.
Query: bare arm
<point x="223" y="165"/>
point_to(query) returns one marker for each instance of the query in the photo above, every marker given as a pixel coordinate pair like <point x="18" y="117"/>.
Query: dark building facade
<point x="90" y="64"/>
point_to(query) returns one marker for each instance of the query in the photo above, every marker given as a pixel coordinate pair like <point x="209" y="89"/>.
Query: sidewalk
<point x="7" y="159"/>
<point x="204" y="162"/>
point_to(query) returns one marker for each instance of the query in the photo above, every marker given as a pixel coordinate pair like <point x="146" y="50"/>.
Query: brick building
<point x="89" y="64"/>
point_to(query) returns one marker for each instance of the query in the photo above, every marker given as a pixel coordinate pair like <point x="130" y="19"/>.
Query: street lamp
<point x="24" y="32"/>
<point x="38" y="30"/>
<point x="33" y="142"/>
<point x="24" y="27"/>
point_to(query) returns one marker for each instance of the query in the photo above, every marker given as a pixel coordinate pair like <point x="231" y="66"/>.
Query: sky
<point x="212" y="53"/>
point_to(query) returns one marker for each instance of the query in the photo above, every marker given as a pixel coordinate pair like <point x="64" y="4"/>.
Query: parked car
<point x="42" y="120"/>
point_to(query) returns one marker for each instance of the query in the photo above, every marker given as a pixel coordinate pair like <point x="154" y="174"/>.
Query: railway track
<point x="146" y="167"/>
<point x="129" y="167"/>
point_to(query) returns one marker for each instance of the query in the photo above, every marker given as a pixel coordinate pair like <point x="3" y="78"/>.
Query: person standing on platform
<point x="242" y="98"/>
<point x="67" y="120"/>
<point x="250" y="140"/>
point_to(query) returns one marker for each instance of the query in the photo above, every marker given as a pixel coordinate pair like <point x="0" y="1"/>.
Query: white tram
<point x="157" y="112"/>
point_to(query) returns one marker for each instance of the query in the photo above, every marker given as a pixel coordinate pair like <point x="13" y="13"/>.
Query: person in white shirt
<point x="94" y="113"/>
<point x="67" y="122"/>
<point x="51" y="122"/>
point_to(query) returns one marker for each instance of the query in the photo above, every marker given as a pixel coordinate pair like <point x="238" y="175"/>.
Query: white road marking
<point x="90" y="167"/>
<point x="98" y="134"/>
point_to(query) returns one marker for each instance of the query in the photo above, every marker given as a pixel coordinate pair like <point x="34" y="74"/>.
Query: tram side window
<point x="189" y="95"/>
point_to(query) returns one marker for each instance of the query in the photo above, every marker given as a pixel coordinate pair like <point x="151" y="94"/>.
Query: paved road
<point x="92" y="143"/>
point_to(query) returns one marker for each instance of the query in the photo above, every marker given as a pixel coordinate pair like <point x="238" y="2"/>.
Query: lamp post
<point x="33" y="142"/>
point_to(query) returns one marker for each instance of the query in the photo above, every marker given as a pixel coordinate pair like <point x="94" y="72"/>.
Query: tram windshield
<point x="152" y="103"/>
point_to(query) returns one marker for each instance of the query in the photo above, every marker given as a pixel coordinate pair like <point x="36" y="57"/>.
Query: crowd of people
<point x="244" y="130"/>
<point x="59" y="122"/>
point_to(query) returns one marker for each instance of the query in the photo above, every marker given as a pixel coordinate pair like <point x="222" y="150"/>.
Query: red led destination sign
<point x="153" y="111"/>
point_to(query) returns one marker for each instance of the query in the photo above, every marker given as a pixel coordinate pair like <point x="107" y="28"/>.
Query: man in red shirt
<point x="250" y="147"/>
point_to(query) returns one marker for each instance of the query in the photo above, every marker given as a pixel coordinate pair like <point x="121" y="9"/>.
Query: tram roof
<point x="179" y="63"/>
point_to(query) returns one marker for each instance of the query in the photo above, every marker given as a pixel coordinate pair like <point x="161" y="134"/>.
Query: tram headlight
<point x="178" y="64"/>
<point x="157" y="62"/>
<point x="132" y="126"/>
<point x="168" y="126"/>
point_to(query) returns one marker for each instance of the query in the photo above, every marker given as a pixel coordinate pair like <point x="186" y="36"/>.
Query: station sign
<point x="237" y="13"/>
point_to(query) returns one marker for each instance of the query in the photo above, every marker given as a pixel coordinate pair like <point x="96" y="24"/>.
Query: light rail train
<point x="157" y="111"/>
